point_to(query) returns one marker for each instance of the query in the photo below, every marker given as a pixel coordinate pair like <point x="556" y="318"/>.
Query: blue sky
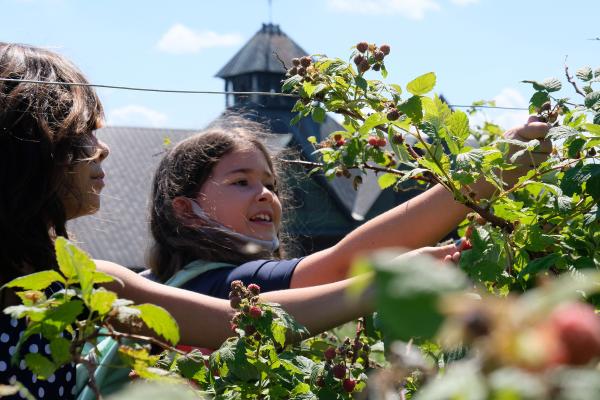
<point x="479" y="49"/>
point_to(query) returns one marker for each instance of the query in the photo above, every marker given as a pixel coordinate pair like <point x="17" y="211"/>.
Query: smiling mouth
<point x="261" y="218"/>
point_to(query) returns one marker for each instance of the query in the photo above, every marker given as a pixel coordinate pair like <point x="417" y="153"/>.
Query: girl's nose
<point x="266" y="195"/>
<point x="103" y="150"/>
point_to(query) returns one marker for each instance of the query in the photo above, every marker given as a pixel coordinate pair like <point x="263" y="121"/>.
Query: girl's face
<point x="85" y="180"/>
<point x="240" y="194"/>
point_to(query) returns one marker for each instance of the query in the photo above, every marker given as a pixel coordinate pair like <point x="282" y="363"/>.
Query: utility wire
<point x="140" y="89"/>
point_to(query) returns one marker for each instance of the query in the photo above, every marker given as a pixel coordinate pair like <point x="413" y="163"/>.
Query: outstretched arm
<point x="421" y="221"/>
<point x="204" y="320"/>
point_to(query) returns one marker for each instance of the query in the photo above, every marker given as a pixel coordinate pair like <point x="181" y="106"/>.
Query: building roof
<point x="261" y="53"/>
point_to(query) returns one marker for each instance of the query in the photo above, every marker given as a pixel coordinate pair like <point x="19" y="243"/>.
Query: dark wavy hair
<point x="182" y="172"/>
<point x="44" y="129"/>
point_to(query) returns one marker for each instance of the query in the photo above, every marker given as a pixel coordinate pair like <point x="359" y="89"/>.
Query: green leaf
<point x="76" y="265"/>
<point x="458" y="123"/>
<point x="57" y="319"/>
<point x="539" y="264"/>
<point x="312" y="139"/>
<point x="412" y="108"/>
<point x="290" y="83"/>
<point x="278" y="331"/>
<point x="575" y="147"/>
<point x="592" y="100"/>
<point x="361" y="82"/>
<point x="585" y="74"/>
<point x="386" y="180"/>
<point x="36" y="281"/>
<point x="537" y="100"/>
<point x="60" y="350"/>
<point x="371" y="122"/>
<point x="409" y="291"/>
<point x="552" y="85"/>
<point x="40" y="365"/>
<point x="422" y="84"/>
<point x="101" y="301"/>
<point x="191" y="366"/>
<point x="160" y="321"/>
<point x="318" y="115"/>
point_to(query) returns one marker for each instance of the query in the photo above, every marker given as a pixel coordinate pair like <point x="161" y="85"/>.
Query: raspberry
<point x="578" y="328"/>
<point x="321" y="381"/>
<point x="254" y="289"/>
<point x="296" y="61"/>
<point x="467" y="245"/>
<point x="349" y="385"/>
<point x="301" y="71"/>
<point x="255" y="312"/>
<point x="305" y="61"/>
<point x="233" y="327"/>
<point x="249" y="329"/>
<point x="366" y="348"/>
<point x="379" y="55"/>
<point x="385" y="49"/>
<point x="293" y="71"/>
<point x="236" y="285"/>
<point x="337" y="137"/>
<point x="329" y="353"/>
<point x="398" y="139"/>
<point x="362" y="47"/>
<point x="364" y="66"/>
<point x="377" y="67"/>
<point x="381" y="142"/>
<point x="339" y="371"/>
<point x="469" y="232"/>
<point x="373" y="141"/>
<point x="235" y="301"/>
<point x="358" y="59"/>
<point x="480" y="220"/>
<point x="393" y="115"/>
<point x="340" y="143"/>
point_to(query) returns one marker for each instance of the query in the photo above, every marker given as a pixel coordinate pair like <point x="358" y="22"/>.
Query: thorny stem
<point x="90" y="366"/>
<point x="360" y="326"/>
<point x="571" y="81"/>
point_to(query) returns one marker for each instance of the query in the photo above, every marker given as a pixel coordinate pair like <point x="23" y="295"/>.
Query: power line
<point x="141" y="89"/>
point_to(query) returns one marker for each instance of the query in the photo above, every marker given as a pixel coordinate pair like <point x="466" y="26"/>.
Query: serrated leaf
<point x="397" y="88"/>
<point x="371" y="122"/>
<point x="562" y="132"/>
<point x="57" y="319"/>
<point x="592" y="128"/>
<point x="552" y="85"/>
<point x="101" y="301"/>
<point x="160" y="321"/>
<point x="76" y="265"/>
<point x="458" y="123"/>
<point x="312" y="140"/>
<point x="592" y="100"/>
<point x="318" y="114"/>
<point x="387" y="180"/>
<point x="278" y="331"/>
<point x="40" y="365"/>
<point x="36" y="281"/>
<point x="422" y="84"/>
<point x="538" y="99"/>
<point x="290" y="83"/>
<point x="60" y="350"/>
<point x="539" y="264"/>
<point x="412" y="108"/>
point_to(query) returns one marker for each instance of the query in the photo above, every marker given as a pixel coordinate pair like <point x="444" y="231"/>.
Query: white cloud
<point x="411" y="9"/>
<point x="136" y="115"/>
<point x="180" y="39"/>
<point x="508" y="97"/>
<point x="463" y="3"/>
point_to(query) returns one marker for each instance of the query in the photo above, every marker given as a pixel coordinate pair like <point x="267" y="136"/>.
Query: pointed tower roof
<point x="258" y="55"/>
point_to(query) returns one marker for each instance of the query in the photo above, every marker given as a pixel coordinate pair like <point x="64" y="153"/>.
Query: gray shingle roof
<point x="258" y="55"/>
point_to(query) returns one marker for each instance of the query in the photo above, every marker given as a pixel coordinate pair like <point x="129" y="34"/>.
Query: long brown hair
<point x="182" y="172"/>
<point x="44" y="129"/>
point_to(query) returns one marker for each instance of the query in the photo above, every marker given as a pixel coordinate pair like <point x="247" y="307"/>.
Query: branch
<point x="571" y="81"/>
<point x="491" y="218"/>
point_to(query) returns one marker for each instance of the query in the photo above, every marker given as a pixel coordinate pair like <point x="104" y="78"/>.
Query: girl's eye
<point x="241" y="182"/>
<point x="271" y="187"/>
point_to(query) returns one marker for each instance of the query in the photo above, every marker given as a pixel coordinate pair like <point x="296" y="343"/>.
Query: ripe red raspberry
<point x="578" y="328"/>
<point x="381" y="142"/>
<point x="329" y="353"/>
<point x="254" y="289"/>
<point x="467" y="245"/>
<point x="337" y="137"/>
<point x="373" y="140"/>
<point x="236" y="285"/>
<point x="362" y="47"/>
<point x="321" y="381"/>
<point x="385" y="49"/>
<point x="305" y="61"/>
<point x="255" y="312"/>
<point x="340" y="143"/>
<point x="349" y="385"/>
<point x="393" y="115"/>
<point x="339" y="371"/>
<point x="296" y="61"/>
<point x="301" y="71"/>
<point x="358" y="59"/>
<point x="379" y="55"/>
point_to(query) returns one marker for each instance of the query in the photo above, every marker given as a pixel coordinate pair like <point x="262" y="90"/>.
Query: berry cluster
<point x="369" y="56"/>
<point x="246" y="301"/>
<point x="340" y="363"/>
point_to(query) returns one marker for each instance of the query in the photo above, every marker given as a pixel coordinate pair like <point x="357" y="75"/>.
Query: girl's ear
<point x="182" y="207"/>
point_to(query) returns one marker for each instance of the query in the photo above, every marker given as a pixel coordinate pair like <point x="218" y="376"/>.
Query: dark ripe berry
<point x="546" y="106"/>
<point x="339" y="371"/>
<point x="362" y="47"/>
<point x="301" y="71"/>
<point x="592" y="152"/>
<point x="364" y="66"/>
<point x="385" y="49"/>
<point x="398" y="139"/>
<point x="305" y="61"/>
<point x="381" y="142"/>
<point x="255" y="312"/>
<point x="366" y="348"/>
<point x="393" y="115"/>
<point x="373" y="141"/>
<point x="321" y="381"/>
<point x="236" y="285"/>
<point x="235" y="301"/>
<point x="337" y="137"/>
<point x="329" y="353"/>
<point x="296" y="61"/>
<point x="254" y="289"/>
<point x="257" y="336"/>
<point x="293" y="71"/>
<point x="377" y="67"/>
<point x="349" y="385"/>
<point x="379" y="55"/>
<point x="246" y="309"/>
<point x="480" y="220"/>
<point x="249" y="329"/>
<point x="358" y="59"/>
<point x="472" y="194"/>
<point x="357" y="346"/>
<point x="476" y="324"/>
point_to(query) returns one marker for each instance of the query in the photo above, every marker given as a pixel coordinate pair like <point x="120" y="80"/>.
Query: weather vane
<point x="270" y="12"/>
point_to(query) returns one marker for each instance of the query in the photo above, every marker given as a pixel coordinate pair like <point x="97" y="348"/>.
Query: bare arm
<point x="421" y="221"/>
<point x="204" y="320"/>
